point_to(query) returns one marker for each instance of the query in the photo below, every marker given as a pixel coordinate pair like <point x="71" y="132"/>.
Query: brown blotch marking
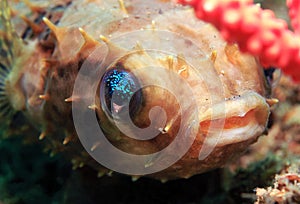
<point x="57" y="112"/>
<point x="34" y="27"/>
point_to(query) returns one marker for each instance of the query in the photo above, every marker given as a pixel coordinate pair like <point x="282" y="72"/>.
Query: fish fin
<point x="10" y="47"/>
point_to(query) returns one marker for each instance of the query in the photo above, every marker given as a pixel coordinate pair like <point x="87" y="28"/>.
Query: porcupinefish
<point x="150" y="75"/>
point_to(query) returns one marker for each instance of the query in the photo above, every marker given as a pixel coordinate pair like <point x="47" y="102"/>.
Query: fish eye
<point x="119" y="87"/>
<point x="272" y="76"/>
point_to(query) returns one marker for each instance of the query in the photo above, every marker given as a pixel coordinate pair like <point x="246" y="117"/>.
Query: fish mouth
<point x="235" y="120"/>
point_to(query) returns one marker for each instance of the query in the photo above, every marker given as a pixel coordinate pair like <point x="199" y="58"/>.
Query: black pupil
<point x="269" y="73"/>
<point x="120" y="88"/>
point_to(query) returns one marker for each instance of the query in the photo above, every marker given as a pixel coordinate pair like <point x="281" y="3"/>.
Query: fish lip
<point x="242" y="106"/>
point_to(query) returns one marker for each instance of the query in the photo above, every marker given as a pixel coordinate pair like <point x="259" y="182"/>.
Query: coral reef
<point x="286" y="188"/>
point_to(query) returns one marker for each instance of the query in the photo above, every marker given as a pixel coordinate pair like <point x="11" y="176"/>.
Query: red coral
<point x="256" y="31"/>
<point x="294" y="8"/>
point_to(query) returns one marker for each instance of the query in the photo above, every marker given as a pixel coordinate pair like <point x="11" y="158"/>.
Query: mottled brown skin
<point x="66" y="49"/>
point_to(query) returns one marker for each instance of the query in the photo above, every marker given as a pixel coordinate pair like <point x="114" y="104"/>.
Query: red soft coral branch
<point x="294" y="13"/>
<point x="256" y="31"/>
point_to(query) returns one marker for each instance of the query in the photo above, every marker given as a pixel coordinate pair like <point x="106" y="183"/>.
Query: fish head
<point x="217" y="104"/>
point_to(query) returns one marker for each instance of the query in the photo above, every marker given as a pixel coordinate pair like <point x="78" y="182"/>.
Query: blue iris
<point x="120" y="83"/>
<point x="120" y="86"/>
